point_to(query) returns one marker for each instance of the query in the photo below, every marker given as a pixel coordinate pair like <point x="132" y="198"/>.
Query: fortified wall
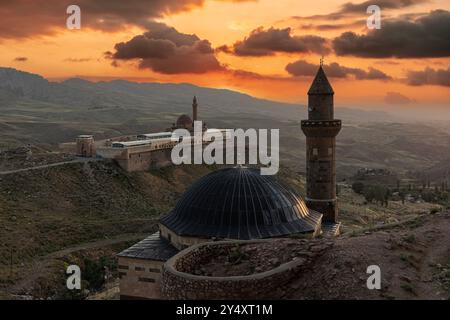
<point x="138" y="158"/>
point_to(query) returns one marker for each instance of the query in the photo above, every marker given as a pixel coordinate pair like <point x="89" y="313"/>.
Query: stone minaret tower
<point x="321" y="130"/>
<point x="194" y="109"/>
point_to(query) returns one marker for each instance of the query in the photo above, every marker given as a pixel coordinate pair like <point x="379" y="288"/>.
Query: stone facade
<point x="143" y="159"/>
<point x="85" y="146"/>
<point x="194" y="109"/>
<point x="135" y="161"/>
<point x="139" y="278"/>
<point x="321" y="130"/>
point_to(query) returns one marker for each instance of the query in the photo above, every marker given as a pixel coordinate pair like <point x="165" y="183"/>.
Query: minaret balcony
<point x="321" y="128"/>
<point x="321" y="123"/>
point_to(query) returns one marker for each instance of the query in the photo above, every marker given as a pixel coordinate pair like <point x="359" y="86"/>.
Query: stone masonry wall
<point x="139" y="278"/>
<point x="178" y="282"/>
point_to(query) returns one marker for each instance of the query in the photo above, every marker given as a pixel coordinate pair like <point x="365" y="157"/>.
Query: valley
<point x="56" y="209"/>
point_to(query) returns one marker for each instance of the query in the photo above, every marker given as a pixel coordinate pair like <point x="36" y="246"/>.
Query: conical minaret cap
<point x="321" y="85"/>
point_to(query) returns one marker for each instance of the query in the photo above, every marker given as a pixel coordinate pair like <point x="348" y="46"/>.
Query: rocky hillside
<point x="56" y="215"/>
<point x="414" y="258"/>
<point x="47" y="210"/>
<point x="43" y="113"/>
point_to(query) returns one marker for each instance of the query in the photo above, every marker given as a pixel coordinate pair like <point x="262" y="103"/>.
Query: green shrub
<point x="93" y="273"/>
<point x="358" y="187"/>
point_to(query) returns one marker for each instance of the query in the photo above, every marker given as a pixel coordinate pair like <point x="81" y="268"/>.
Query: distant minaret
<point x="321" y="130"/>
<point x="194" y="109"/>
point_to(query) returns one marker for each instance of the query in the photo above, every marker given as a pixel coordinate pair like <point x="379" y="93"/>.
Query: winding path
<point x="42" y="263"/>
<point x="77" y="160"/>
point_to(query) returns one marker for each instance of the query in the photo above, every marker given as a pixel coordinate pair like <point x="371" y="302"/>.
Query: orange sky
<point x="59" y="53"/>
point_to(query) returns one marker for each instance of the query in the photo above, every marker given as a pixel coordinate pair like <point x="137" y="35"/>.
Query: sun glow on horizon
<point x="86" y="53"/>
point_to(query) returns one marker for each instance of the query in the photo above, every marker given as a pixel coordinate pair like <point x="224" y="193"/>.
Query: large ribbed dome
<point x="184" y="121"/>
<point x="240" y="203"/>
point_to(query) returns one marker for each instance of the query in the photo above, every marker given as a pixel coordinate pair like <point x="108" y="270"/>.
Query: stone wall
<point x="139" y="278"/>
<point x="161" y="158"/>
<point x="178" y="282"/>
<point x="143" y="158"/>
<point x="85" y="146"/>
<point x="139" y="158"/>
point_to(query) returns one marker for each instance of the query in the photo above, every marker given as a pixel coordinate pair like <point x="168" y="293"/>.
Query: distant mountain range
<point x="157" y="97"/>
<point x="34" y="110"/>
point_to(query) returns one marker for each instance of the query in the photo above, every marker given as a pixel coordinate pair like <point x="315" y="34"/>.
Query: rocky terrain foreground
<point x="414" y="258"/>
<point x="56" y="216"/>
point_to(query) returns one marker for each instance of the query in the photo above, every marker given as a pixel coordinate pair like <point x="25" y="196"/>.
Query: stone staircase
<point x="331" y="229"/>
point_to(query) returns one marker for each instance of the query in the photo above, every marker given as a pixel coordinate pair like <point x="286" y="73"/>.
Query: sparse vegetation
<point x="236" y="255"/>
<point x="79" y="203"/>
<point x="410" y="238"/>
<point x="358" y="187"/>
<point x="408" y="288"/>
<point x="94" y="272"/>
<point x="442" y="273"/>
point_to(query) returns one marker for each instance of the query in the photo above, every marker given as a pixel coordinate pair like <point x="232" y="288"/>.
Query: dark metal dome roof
<point x="184" y="120"/>
<point x="240" y="203"/>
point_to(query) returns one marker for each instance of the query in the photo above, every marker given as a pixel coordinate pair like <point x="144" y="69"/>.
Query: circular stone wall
<point x="179" y="282"/>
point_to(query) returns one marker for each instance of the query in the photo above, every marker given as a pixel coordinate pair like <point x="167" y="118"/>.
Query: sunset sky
<point x="269" y="49"/>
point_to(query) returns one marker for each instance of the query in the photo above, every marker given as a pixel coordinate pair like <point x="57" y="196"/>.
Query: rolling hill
<point x="37" y="111"/>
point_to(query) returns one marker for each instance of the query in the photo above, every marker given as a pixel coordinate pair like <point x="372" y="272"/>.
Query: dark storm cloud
<point x="301" y="68"/>
<point x="165" y="50"/>
<point x="334" y="26"/>
<point x="352" y="9"/>
<point x="335" y="70"/>
<point x="21" y="59"/>
<point x="78" y="60"/>
<point x="248" y="75"/>
<point x="361" y="7"/>
<point x="428" y="36"/>
<point x="374" y="74"/>
<point x="25" y="18"/>
<point x="397" y="98"/>
<point x="429" y="76"/>
<point x="262" y="42"/>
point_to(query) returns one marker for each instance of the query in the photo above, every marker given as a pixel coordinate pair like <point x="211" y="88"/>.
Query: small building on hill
<point x="85" y="146"/>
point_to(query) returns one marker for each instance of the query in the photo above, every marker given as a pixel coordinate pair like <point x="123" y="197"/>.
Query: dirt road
<point x="78" y="160"/>
<point x="39" y="266"/>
